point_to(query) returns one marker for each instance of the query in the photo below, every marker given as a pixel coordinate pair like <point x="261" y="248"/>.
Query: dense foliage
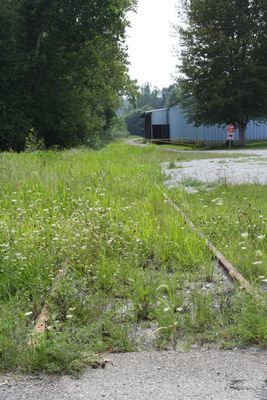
<point x="63" y="67"/>
<point x="224" y="61"/>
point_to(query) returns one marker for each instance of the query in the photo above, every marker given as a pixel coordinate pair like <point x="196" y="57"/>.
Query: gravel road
<point x="210" y="375"/>
<point x="249" y="169"/>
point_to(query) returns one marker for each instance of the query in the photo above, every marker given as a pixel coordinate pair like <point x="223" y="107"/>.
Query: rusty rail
<point x="223" y="261"/>
<point x="42" y="319"/>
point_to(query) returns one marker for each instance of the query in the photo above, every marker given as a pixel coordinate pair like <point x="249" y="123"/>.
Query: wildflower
<point x="69" y="316"/>
<point x="166" y="309"/>
<point x="243" y="248"/>
<point x="258" y="253"/>
<point x="244" y="235"/>
<point x="27" y="314"/>
<point x="261" y="237"/>
<point x="179" y="309"/>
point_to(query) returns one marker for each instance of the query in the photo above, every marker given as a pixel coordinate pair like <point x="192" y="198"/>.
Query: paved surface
<point x="210" y="375"/>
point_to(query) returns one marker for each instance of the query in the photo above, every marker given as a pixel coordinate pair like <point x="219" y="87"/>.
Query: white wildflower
<point x="27" y="314"/>
<point x="261" y="237"/>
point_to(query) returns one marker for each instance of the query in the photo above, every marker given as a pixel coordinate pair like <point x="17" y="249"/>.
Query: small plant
<point x="33" y="143"/>
<point x="172" y="165"/>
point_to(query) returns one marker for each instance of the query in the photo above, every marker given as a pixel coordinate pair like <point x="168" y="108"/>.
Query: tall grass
<point x="235" y="219"/>
<point x="128" y="259"/>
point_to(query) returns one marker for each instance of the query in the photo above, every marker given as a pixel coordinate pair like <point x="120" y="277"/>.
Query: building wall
<point x="159" y="117"/>
<point x="180" y="129"/>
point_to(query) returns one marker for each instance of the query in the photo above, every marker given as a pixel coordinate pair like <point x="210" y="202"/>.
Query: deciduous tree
<point x="64" y="70"/>
<point x="224" y="68"/>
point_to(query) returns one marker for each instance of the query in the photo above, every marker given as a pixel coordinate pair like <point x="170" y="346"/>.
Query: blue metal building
<point x="170" y="124"/>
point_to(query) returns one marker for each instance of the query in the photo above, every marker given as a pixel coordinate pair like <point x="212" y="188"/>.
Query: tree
<point x="64" y="70"/>
<point x="223" y="70"/>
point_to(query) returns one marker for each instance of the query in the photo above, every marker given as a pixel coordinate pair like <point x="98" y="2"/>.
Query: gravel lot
<point x="252" y="169"/>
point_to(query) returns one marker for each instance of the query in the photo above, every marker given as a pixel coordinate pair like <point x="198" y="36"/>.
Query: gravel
<point x="236" y="171"/>
<point x="211" y="375"/>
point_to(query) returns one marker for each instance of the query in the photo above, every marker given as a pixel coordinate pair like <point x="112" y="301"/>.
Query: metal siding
<point x="159" y="117"/>
<point x="182" y="130"/>
<point x="179" y="127"/>
<point x="256" y="131"/>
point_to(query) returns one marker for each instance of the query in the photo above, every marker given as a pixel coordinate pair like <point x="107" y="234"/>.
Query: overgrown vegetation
<point x="63" y="69"/>
<point x="235" y="219"/>
<point x="130" y="262"/>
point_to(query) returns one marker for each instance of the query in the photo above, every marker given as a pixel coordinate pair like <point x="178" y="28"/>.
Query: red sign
<point x="230" y="131"/>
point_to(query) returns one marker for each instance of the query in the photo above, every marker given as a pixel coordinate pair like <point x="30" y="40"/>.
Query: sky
<point x="151" y="45"/>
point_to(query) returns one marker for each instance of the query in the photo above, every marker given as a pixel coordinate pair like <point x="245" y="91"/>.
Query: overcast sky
<point x="150" y="43"/>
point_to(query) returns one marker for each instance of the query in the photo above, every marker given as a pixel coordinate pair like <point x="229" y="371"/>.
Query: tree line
<point x="63" y="68"/>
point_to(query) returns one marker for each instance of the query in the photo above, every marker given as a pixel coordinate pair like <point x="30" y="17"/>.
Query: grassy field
<point x="130" y="262"/>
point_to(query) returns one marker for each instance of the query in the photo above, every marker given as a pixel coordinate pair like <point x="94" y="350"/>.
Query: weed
<point x="172" y="165"/>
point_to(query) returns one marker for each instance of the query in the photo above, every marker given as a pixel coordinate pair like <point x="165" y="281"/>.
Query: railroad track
<point x="232" y="273"/>
<point x="222" y="261"/>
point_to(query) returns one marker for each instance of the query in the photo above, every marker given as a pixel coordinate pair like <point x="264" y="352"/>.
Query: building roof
<point x="151" y="111"/>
